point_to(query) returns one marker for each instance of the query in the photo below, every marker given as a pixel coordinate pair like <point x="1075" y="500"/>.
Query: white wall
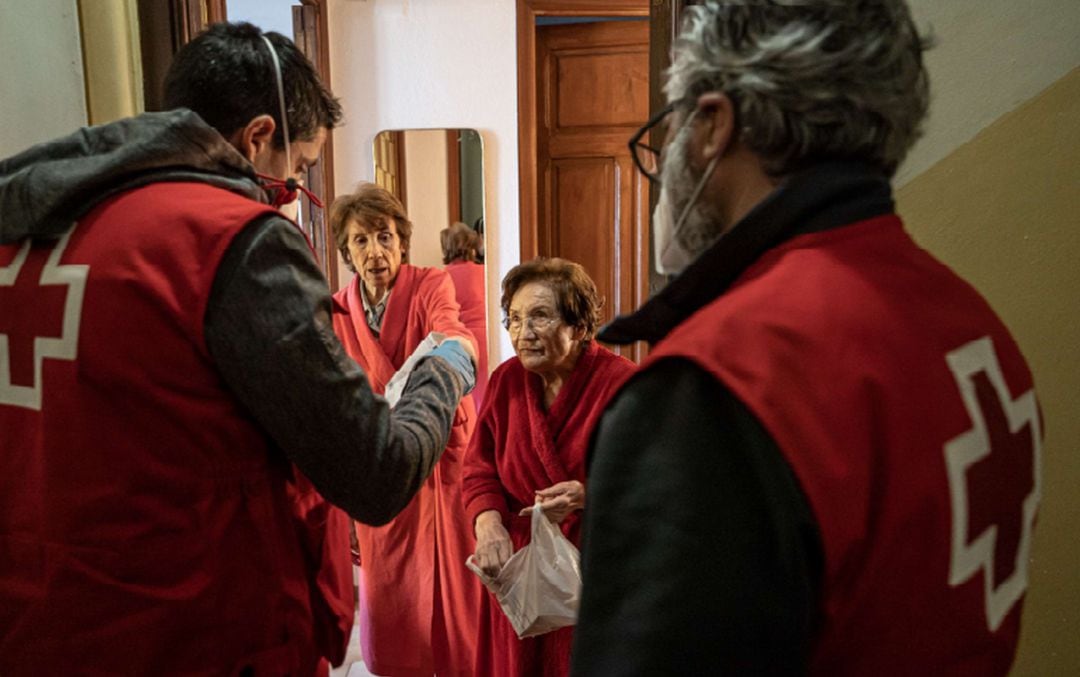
<point x="269" y="15"/>
<point x="991" y="56"/>
<point x="42" y="92"/>
<point x="410" y="64"/>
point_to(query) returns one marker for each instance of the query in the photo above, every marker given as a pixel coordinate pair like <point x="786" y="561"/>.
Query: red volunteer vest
<point x="145" y="525"/>
<point x="908" y="415"/>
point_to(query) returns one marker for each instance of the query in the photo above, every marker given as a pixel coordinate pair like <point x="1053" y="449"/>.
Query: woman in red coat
<point x="531" y="440"/>
<point x="461" y="247"/>
<point x="418" y="602"/>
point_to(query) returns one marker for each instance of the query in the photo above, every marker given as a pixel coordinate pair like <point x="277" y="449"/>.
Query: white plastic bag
<point x="539" y="587"/>
<point x="396" y="386"/>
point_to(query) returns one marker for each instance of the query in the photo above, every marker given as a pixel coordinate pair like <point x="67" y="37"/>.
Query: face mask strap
<point x="285" y="191"/>
<point x="288" y="190"/>
<point x="281" y="103"/>
<point x="709" y="169"/>
<point x="685" y="214"/>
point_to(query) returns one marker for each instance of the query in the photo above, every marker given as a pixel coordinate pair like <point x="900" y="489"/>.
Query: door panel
<point x="592" y="206"/>
<point x="576" y="185"/>
<point x="616" y="84"/>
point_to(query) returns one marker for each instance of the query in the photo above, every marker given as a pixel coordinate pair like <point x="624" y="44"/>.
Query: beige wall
<point x="426" y="193"/>
<point x="110" y="42"/>
<point x="1004" y="211"/>
<point x="989" y="57"/>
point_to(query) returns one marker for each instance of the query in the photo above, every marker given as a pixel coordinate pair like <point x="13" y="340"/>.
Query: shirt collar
<point x="374" y="314"/>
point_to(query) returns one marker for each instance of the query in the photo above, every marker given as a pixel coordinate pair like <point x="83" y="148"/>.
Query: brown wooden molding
<point x="216" y="11"/>
<point x="453" y="175"/>
<point x="323" y="66"/>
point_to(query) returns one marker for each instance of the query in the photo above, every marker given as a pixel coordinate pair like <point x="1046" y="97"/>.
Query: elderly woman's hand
<point x="493" y="546"/>
<point x="559" y="500"/>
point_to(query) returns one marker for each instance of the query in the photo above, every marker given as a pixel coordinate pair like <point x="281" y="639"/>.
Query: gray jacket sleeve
<point x="269" y="331"/>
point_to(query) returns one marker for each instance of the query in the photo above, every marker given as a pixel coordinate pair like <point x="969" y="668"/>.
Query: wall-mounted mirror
<point x="438" y="174"/>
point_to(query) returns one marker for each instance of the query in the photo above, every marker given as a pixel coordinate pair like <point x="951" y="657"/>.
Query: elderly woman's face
<point x="543" y="342"/>
<point x="376" y="254"/>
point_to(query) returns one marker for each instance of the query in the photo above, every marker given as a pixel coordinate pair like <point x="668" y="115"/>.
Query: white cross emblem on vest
<point x="995" y="480"/>
<point x="34" y="323"/>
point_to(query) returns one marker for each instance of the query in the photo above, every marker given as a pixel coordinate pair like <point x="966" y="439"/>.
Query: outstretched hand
<point x="559" y="500"/>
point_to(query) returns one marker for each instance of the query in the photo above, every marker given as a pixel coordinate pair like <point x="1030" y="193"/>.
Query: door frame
<point x="527" y="12"/>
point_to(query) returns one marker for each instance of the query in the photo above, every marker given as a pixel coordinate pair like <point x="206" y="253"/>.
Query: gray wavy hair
<point x="811" y="80"/>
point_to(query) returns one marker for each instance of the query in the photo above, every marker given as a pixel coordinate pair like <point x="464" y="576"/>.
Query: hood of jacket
<point x="47" y="187"/>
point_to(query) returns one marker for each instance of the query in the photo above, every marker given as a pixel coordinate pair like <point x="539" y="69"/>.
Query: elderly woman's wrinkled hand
<point x="493" y="546"/>
<point x="559" y="500"/>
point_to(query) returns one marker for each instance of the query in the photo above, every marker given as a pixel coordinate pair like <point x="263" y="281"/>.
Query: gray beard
<point x="703" y="225"/>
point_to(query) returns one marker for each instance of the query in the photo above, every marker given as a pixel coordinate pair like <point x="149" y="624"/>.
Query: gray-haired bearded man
<point x="829" y="464"/>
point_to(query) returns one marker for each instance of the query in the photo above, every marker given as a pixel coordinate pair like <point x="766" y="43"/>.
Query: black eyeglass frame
<point x="635" y="141"/>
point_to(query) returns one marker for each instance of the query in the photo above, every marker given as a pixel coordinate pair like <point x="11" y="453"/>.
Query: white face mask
<point x="672" y="257"/>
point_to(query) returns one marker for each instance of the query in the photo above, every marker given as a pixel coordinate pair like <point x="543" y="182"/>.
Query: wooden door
<point x="592" y="204"/>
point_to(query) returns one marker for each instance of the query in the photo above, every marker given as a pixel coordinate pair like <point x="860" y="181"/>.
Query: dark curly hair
<point x="579" y="304"/>
<point x="226" y="75"/>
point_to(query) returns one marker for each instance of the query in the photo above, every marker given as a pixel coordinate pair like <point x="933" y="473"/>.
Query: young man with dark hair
<point x="170" y="381"/>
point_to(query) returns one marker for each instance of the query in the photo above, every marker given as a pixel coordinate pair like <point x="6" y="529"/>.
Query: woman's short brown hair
<point x="370" y="205"/>
<point x="575" y="292"/>
<point x="460" y="243"/>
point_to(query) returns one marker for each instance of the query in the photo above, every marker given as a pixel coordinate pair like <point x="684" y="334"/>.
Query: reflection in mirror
<point x="438" y="174"/>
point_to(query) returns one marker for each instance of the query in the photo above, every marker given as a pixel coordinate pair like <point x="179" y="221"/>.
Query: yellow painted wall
<point x="110" y="41"/>
<point x="1004" y="211"/>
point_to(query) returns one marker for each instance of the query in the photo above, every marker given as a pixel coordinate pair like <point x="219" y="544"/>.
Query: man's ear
<point x="254" y="137"/>
<point x="717" y="124"/>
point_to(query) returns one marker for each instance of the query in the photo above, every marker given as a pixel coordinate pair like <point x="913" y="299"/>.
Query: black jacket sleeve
<point x="269" y="330"/>
<point x="700" y="553"/>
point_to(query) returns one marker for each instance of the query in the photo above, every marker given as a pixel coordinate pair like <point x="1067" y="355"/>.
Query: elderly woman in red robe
<point x="461" y="247"/>
<point x="531" y="440"/>
<point x="419" y="604"/>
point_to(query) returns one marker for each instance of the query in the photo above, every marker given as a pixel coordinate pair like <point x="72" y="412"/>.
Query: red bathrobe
<point x="419" y="603"/>
<point x="468" y="280"/>
<point x="517" y="449"/>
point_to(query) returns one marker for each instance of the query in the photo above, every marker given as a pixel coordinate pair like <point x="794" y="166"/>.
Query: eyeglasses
<point x="646" y="157"/>
<point x="538" y="320"/>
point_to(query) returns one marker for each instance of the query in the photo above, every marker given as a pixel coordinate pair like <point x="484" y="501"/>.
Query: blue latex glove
<point x="459" y="361"/>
